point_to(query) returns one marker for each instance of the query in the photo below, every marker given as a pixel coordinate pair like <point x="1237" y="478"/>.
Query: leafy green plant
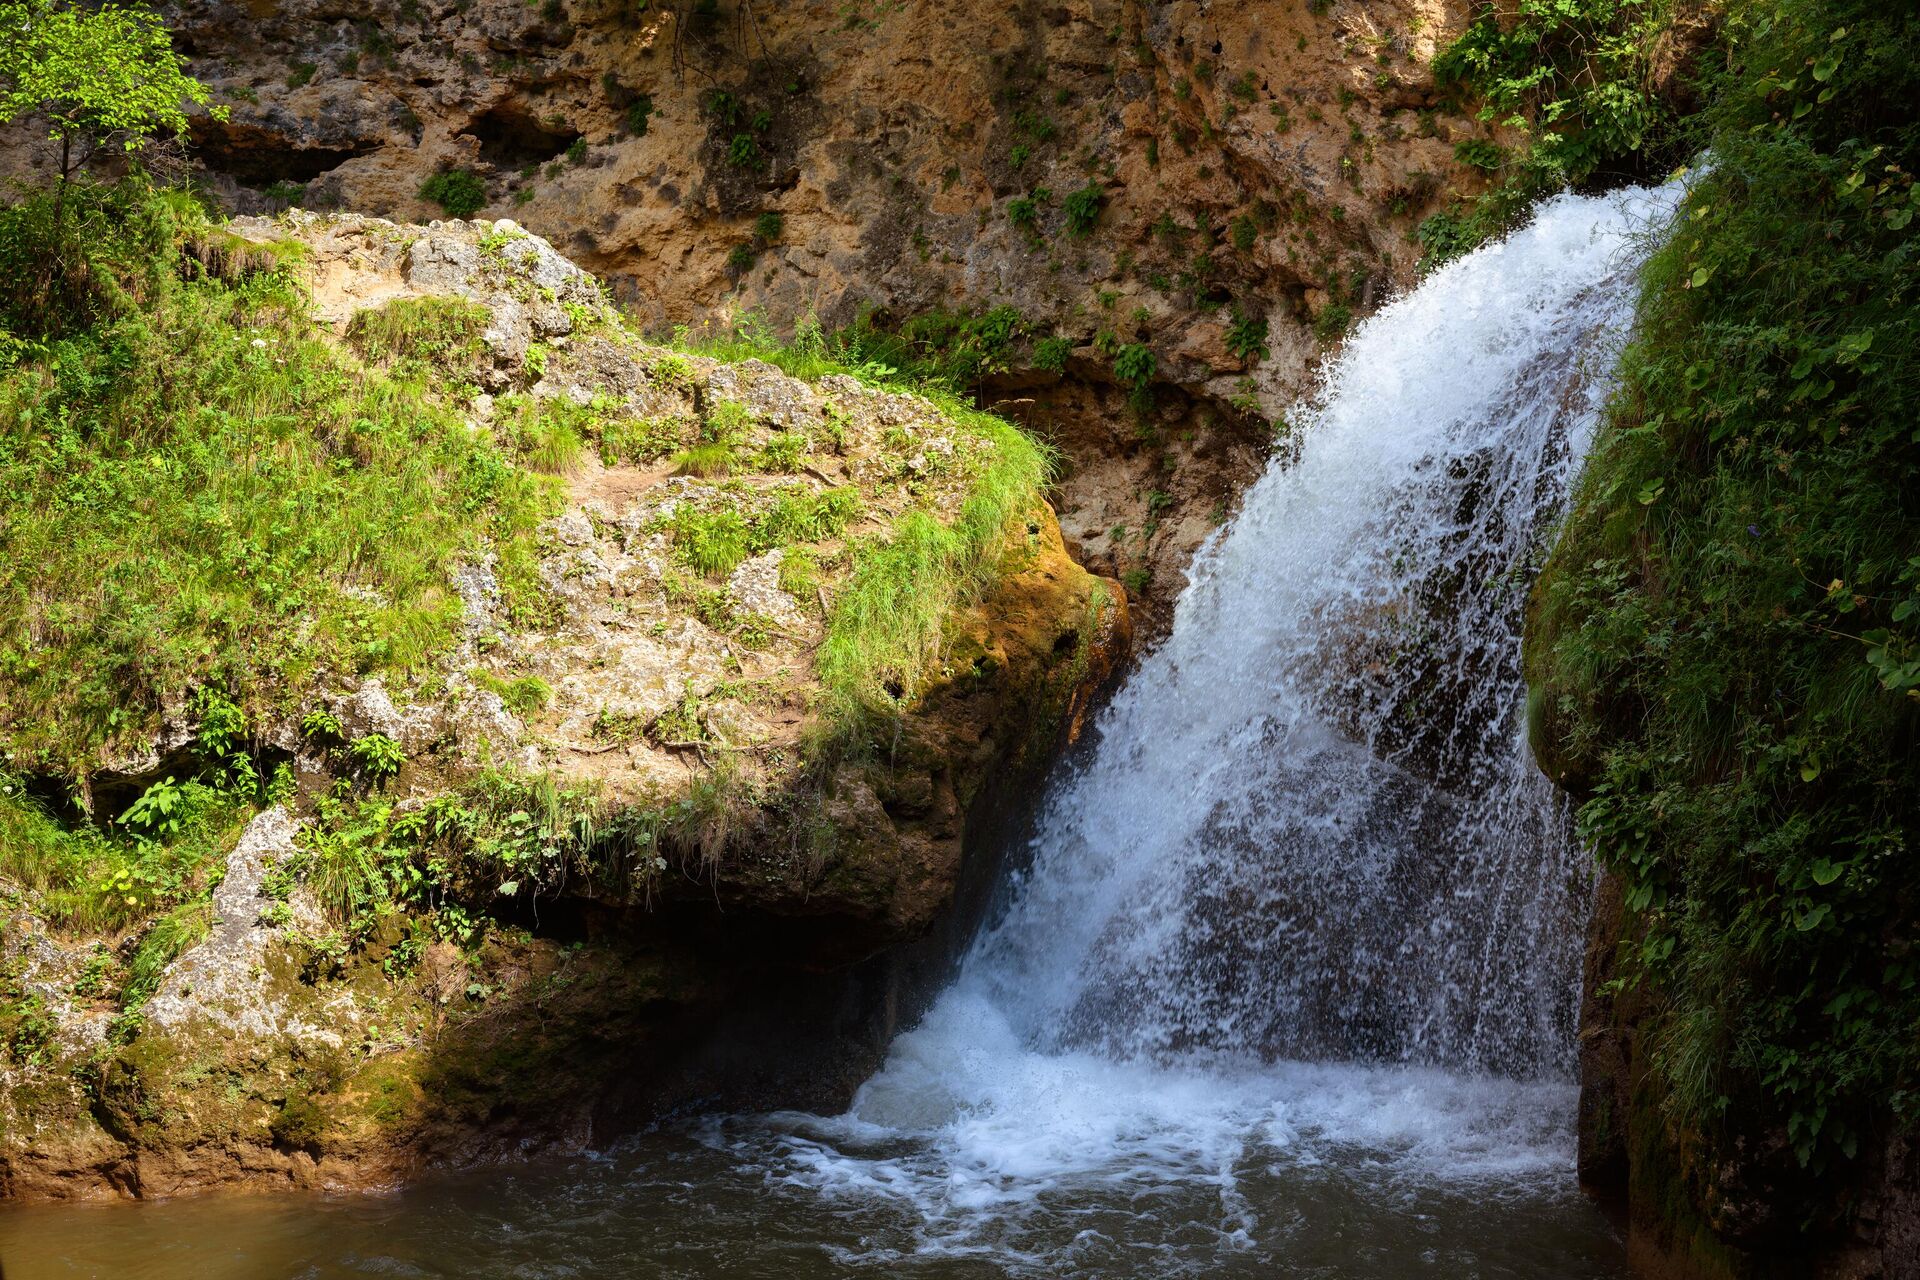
<point x="1083" y="208"/>
<point x="1480" y="153"/>
<point x="458" y="192"/>
<point x="1051" y="354"/>
<point x="1573" y="77"/>
<point x="1247" y="336"/>
<point x="157" y="813"/>
<point x="377" y="755"/>
<point x="783" y="452"/>
<point x="805" y="515"/>
<point x="1719" y="640"/>
<point x="1135" y="364"/>
<point x="1024" y="211"/>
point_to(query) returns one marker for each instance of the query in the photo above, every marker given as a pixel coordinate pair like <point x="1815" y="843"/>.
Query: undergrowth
<point x="1726" y="647"/>
<point x="206" y="492"/>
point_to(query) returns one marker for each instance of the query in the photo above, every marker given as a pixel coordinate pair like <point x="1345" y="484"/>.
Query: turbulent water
<point x="1307" y="900"/>
<point x="1286" y="985"/>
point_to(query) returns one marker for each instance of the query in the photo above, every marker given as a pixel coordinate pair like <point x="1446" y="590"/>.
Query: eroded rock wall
<point x="1252" y="162"/>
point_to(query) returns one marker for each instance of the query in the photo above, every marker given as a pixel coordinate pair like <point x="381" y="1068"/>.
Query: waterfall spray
<point x="1306" y="894"/>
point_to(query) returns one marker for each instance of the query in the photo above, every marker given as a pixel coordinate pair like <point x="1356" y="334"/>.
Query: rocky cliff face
<point x="1223" y="185"/>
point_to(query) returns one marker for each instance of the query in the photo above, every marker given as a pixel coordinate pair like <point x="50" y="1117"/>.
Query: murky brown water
<point x="729" y="1200"/>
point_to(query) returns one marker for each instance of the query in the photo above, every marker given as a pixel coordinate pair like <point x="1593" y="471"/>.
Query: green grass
<point x="210" y="493"/>
<point x="889" y="619"/>
<point x="706" y="461"/>
<point x="441" y="332"/>
<point x="710" y="542"/>
<point x="524" y="695"/>
<point x="887" y="627"/>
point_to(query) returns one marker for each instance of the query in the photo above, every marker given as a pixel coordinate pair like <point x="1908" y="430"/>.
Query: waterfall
<point x="1304" y="904"/>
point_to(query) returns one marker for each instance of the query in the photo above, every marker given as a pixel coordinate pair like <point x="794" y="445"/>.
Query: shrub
<point x="459" y="192"/>
<point x="1082" y="208"/>
<point x="377" y="755"/>
<point x="1247" y="336"/>
<point x="1480" y="153"/>
<point x="1135" y="364"/>
<point x="1051" y="354"/>
<point x="1726" y="637"/>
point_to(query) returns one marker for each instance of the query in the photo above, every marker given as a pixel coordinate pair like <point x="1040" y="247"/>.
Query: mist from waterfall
<point x="1304" y="909"/>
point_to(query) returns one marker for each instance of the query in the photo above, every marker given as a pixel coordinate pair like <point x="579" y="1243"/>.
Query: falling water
<point x="1306" y="893"/>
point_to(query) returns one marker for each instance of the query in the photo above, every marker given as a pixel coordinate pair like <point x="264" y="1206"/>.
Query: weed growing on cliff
<point x="103" y="881"/>
<point x="1051" y="354"/>
<point x="710" y="542"/>
<point x="524" y="696"/>
<point x="458" y="192"/>
<point x="1024" y="211"/>
<point x="1724" y="637"/>
<point x="1247" y="336"/>
<point x="715" y="458"/>
<point x="1135" y="365"/>
<point x="887" y="624"/>
<point x="443" y="333"/>
<point x="1332" y="322"/>
<point x="1083" y="208"/>
<point x="378" y="756"/>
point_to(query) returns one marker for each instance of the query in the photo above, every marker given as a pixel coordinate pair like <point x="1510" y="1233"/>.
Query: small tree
<point x="102" y="77"/>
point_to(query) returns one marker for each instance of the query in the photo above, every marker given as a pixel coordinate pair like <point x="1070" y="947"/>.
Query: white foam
<point x="1307" y="911"/>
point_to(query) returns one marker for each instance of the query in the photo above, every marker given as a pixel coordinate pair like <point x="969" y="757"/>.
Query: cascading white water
<point x="1305" y="902"/>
